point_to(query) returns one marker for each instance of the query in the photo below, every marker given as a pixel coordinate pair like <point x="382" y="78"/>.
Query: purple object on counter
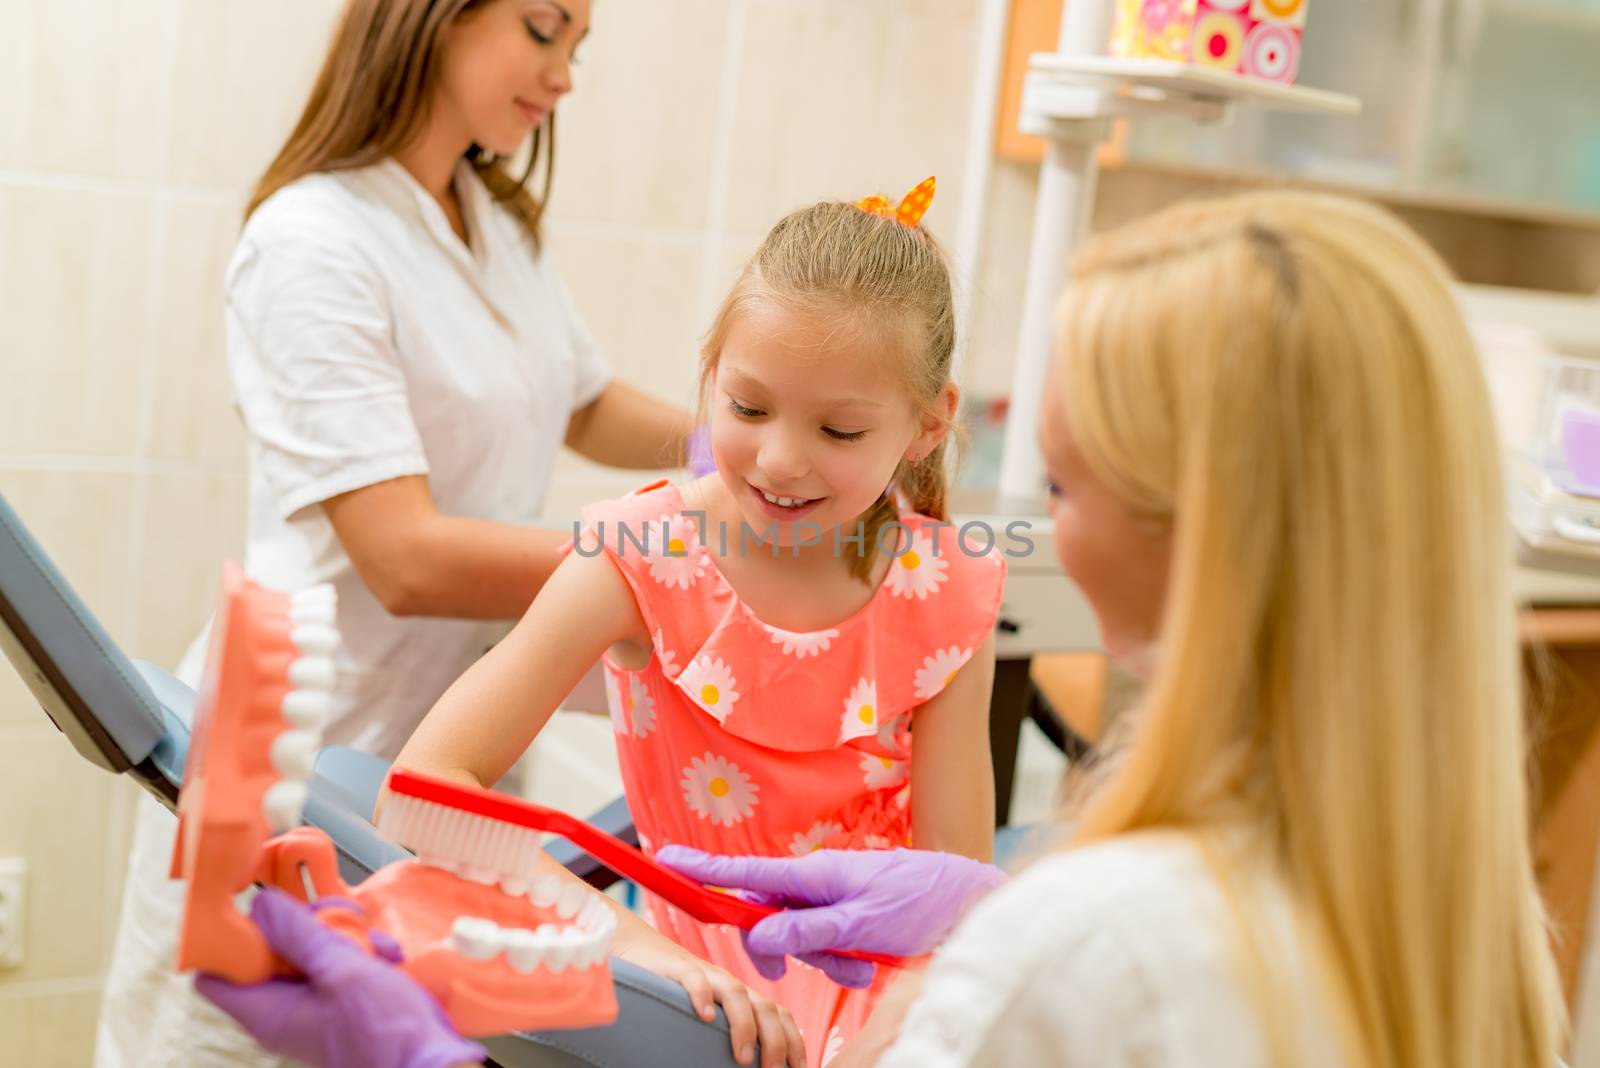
<point x="1580" y="450"/>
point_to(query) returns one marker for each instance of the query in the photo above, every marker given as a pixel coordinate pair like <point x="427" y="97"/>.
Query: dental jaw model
<point x="502" y="949"/>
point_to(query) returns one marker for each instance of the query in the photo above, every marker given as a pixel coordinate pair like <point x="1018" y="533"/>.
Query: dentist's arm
<point x="624" y="427"/>
<point x="418" y="561"/>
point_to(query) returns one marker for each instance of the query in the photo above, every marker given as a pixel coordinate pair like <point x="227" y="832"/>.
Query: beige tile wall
<point x="130" y="135"/>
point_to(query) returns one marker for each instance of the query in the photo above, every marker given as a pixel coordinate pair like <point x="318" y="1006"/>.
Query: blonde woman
<point x="1275" y="479"/>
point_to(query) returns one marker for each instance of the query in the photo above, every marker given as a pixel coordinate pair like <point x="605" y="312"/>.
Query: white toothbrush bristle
<point x="478" y="847"/>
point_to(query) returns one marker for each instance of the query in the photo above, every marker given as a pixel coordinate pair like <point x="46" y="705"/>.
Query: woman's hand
<point x="751" y="1016"/>
<point x="351" y="1009"/>
<point x="900" y="901"/>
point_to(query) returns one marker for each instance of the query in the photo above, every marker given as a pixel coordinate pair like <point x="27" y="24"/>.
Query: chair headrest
<point x="85" y="684"/>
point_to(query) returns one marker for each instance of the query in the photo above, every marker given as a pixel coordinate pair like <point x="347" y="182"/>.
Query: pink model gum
<point x="224" y="847"/>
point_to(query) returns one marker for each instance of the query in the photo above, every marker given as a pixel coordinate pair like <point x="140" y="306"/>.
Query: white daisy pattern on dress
<point x="619" y="715"/>
<point x="877" y="841"/>
<point x="674" y="552"/>
<point x="917" y="572"/>
<point x="667" y="658"/>
<point x="641" y="707"/>
<point x="883" y="773"/>
<point x="834" y="1045"/>
<point x="711" y="685"/>
<point x="814" y="839"/>
<point x="801" y="645"/>
<point x="717" y="790"/>
<point x="860" y="711"/>
<point x="938" y="669"/>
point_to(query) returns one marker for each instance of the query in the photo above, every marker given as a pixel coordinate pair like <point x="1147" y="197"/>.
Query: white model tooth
<point x="590" y="952"/>
<point x="315" y="638"/>
<point x="565" y="952"/>
<point x="573" y="897"/>
<point x="546" y="891"/>
<point x="318" y="613"/>
<point x="294" y="752"/>
<point x="475" y="938"/>
<point x="515" y="885"/>
<point x="312" y="672"/>
<point x="307" y="709"/>
<point x="524" y="951"/>
<point x="282" y="805"/>
<point x="594" y="915"/>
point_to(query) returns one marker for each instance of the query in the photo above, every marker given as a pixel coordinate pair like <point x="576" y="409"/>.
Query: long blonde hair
<point x="890" y="282"/>
<point x="372" y="97"/>
<point x="1287" y="379"/>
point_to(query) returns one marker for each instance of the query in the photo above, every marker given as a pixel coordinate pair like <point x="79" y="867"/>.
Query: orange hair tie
<point x="911" y="209"/>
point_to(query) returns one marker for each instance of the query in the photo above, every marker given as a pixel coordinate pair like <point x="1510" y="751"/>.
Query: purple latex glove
<point x="701" y="462"/>
<point x="352" y="1010"/>
<point x="899" y="901"/>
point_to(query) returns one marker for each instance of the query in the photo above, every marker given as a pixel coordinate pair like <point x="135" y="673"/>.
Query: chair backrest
<point x="89" y="689"/>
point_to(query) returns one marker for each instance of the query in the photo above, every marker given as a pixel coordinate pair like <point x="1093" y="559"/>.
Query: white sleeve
<point x="316" y="375"/>
<point x="1040" y="975"/>
<point x="591" y="372"/>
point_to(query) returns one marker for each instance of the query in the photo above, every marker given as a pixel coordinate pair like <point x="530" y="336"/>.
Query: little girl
<point x="776" y="634"/>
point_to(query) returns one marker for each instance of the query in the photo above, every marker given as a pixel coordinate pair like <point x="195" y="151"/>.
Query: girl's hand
<point x="751" y="1016"/>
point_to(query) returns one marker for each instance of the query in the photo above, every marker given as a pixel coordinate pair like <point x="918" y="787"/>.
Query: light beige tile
<point x="807" y="124"/>
<point x="84" y="522"/>
<point x="75" y="271"/>
<point x="638" y="298"/>
<point x="50" y="1030"/>
<point x="193" y="418"/>
<point x="635" y="137"/>
<point x="927" y="92"/>
<point x="242" y="70"/>
<point x="53" y="813"/>
<point x="727" y="261"/>
<point x="83" y="84"/>
<point x="195" y="521"/>
<point x="999" y="282"/>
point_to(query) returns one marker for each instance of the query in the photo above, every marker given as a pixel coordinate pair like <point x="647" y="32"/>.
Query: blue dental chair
<point x="132" y="718"/>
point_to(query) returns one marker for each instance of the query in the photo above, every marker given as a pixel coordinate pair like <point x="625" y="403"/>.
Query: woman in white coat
<point x="408" y="366"/>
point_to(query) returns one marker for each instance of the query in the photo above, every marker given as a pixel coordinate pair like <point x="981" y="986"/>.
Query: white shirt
<point x="1113" y="955"/>
<point x="367" y="342"/>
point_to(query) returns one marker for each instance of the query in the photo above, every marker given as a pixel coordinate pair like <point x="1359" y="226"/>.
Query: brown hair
<point x="884" y="278"/>
<point x="372" y="97"/>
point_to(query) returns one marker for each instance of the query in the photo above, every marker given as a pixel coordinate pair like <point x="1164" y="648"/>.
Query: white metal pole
<point x="1061" y="221"/>
<point x="978" y="167"/>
